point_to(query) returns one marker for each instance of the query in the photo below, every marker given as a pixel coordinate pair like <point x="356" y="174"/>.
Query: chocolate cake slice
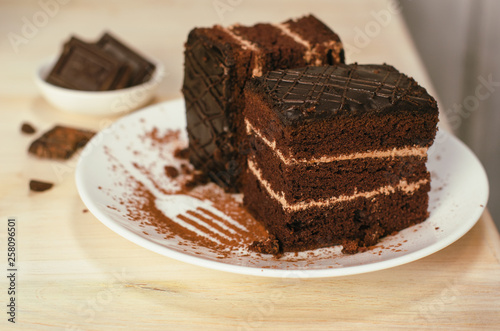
<point x="218" y="63"/>
<point x="338" y="154"/>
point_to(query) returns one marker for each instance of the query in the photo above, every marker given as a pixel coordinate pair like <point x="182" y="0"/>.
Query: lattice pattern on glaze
<point x="342" y="88"/>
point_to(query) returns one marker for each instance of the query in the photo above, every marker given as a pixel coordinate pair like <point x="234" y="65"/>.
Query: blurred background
<point x="459" y="43"/>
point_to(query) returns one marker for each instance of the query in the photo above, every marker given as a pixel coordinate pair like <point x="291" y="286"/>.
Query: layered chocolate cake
<point x="218" y="63"/>
<point x="338" y="154"/>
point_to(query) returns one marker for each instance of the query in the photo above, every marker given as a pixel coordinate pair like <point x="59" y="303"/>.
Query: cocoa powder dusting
<point x="145" y="210"/>
<point x="197" y="227"/>
<point x="141" y="206"/>
<point x="156" y="139"/>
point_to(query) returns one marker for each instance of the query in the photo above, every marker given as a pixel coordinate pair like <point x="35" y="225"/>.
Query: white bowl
<point x="97" y="102"/>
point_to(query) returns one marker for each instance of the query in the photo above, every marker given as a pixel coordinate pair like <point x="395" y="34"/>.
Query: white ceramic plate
<point x="457" y="199"/>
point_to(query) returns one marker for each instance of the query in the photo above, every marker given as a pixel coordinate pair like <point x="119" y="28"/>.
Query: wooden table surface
<point x="76" y="274"/>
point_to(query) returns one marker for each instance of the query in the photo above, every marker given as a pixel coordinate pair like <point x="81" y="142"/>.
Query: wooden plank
<point x="76" y="274"/>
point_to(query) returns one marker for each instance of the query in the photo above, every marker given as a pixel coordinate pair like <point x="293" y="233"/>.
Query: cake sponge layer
<point x="317" y="180"/>
<point x="359" y="219"/>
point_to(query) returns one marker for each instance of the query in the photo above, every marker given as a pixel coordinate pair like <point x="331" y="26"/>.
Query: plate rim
<point x="259" y="271"/>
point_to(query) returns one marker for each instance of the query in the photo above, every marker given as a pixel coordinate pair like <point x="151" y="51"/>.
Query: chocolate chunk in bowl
<point x="83" y="66"/>
<point x="141" y="68"/>
<point x="105" y="77"/>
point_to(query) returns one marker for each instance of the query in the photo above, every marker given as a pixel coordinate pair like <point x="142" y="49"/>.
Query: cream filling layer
<point x="246" y="44"/>
<point x="311" y="51"/>
<point x="287" y="160"/>
<point x="298" y="39"/>
<point x="403" y="185"/>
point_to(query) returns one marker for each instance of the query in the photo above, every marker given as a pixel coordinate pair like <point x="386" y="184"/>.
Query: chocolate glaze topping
<point x="317" y="93"/>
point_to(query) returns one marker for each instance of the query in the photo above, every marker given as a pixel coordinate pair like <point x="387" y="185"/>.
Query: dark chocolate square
<point x="141" y="68"/>
<point x="82" y="66"/>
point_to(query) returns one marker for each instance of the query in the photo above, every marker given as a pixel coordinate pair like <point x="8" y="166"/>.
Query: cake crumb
<point x="171" y="172"/>
<point x="362" y="249"/>
<point x="85" y="211"/>
<point x="372" y="235"/>
<point x="198" y="178"/>
<point x="350" y="246"/>
<point x="269" y="245"/>
<point x="182" y="153"/>
<point x="27" y="128"/>
<point x="39" y="186"/>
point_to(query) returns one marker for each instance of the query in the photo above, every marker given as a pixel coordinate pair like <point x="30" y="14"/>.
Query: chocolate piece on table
<point x="39" y="186"/>
<point x="27" y="128"/>
<point x="141" y="68"/>
<point x="60" y="142"/>
<point x="83" y="66"/>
